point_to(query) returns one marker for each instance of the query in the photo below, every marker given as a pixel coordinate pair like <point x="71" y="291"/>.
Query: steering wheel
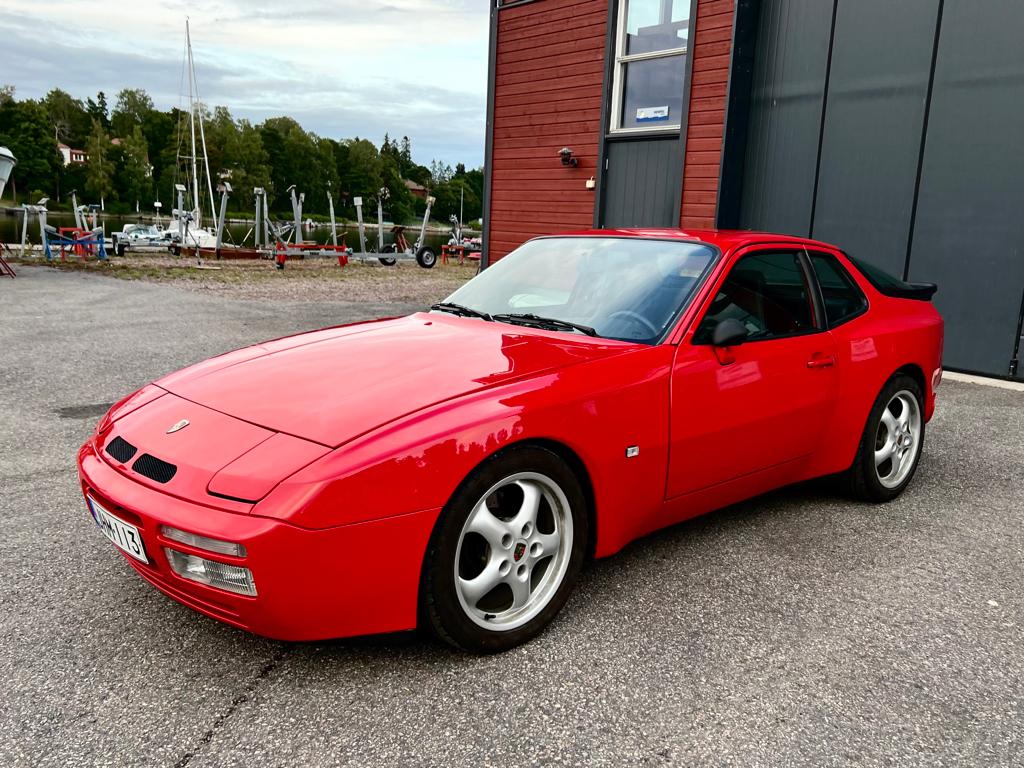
<point x="635" y="317"/>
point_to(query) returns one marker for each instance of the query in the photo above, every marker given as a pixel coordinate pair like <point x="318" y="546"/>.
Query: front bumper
<point x="311" y="584"/>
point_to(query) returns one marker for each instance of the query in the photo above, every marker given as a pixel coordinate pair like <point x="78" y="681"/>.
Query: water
<point x="10" y="231"/>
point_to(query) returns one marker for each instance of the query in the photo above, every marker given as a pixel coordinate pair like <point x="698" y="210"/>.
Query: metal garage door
<point x="896" y="130"/>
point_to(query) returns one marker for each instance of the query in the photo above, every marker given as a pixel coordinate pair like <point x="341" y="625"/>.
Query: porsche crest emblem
<point x="519" y="550"/>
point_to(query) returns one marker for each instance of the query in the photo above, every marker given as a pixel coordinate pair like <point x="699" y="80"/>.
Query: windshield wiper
<point x="461" y="310"/>
<point x="550" y="323"/>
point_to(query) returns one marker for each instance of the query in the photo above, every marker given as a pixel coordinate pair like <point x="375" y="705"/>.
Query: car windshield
<point x="625" y="288"/>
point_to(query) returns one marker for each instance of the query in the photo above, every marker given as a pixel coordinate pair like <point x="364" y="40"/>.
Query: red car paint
<point x="334" y="490"/>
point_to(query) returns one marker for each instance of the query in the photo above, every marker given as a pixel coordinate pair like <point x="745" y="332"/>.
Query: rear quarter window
<point x="842" y="298"/>
<point x="886" y="284"/>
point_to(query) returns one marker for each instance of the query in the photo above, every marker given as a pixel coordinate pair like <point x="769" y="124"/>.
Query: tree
<point x="134" y="176"/>
<point x="132" y="107"/>
<point x="405" y="155"/>
<point x="69" y="120"/>
<point x="440" y="172"/>
<point x="100" y="171"/>
<point x="98" y="109"/>
<point x="275" y="154"/>
<point x="359" y="170"/>
<point x="25" y="130"/>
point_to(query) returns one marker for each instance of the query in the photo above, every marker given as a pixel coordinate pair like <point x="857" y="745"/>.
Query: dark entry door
<point x="642" y="183"/>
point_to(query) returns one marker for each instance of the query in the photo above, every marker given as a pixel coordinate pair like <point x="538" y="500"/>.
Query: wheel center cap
<point x="517" y="553"/>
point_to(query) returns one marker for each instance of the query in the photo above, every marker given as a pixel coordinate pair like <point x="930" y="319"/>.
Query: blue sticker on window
<point x="652" y="114"/>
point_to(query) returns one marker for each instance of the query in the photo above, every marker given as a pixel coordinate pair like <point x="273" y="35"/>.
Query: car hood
<point x="333" y="385"/>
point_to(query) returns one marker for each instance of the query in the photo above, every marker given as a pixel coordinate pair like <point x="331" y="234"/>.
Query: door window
<point x="843" y="299"/>
<point x="768" y="293"/>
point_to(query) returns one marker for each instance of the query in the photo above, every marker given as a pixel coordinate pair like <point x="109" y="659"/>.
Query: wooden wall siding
<point x="711" y="52"/>
<point x="548" y="80"/>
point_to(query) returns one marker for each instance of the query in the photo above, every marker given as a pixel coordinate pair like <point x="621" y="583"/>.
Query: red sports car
<point x="453" y="469"/>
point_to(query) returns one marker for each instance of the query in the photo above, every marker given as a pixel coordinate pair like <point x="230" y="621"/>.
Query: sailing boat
<point x="189" y="222"/>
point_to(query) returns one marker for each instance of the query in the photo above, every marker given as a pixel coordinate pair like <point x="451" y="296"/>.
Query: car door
<point x="739" y="410"/>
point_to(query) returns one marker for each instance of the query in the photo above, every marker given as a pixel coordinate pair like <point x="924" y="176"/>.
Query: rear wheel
<point x="388" y="261"/>
<point x="892" y="442"/>
<point x="506" y="552"/>
<point x="426" y="258"/>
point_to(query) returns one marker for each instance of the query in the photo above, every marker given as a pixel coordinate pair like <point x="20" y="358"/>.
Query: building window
<point x="650" y="64"/>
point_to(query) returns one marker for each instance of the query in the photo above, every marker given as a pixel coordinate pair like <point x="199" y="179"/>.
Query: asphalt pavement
<point x="800" y="628"/>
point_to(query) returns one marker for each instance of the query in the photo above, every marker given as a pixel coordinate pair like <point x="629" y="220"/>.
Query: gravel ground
<point x="308" y="280"/>
<point x="799" y="628"/>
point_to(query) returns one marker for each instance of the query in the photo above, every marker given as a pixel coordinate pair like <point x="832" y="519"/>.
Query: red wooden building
<point x="889" y="128"/>
<point x="556" y="66"/>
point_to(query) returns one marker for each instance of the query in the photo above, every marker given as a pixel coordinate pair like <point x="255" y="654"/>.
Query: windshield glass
<point x="623" y="288"/>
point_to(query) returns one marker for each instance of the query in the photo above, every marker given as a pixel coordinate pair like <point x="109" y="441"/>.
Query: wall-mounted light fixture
<point x="567" y="159"/>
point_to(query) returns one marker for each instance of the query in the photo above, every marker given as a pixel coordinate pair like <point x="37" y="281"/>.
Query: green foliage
<point x="25" y="130"/>
<point x="98" y="109"/>
<point x="133" y="179"/>
<point x="132" y="107"/>
<point x="71" y="123"/>
<point x="147" y="159"/>
<point x="100" y="170"/>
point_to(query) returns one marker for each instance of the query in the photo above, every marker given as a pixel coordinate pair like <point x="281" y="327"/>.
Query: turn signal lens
<point x="936" y="379"/>
<point x="232" y="578"/>
<point x="202" y="542"/>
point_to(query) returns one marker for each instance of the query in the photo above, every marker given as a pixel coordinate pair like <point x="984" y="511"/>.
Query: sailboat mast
<point x="192" y="125"/>
<point x="202" y="135"/>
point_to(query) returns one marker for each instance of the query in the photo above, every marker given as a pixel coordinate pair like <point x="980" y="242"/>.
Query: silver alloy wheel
<point x="897" y="439"/>
<point x="513" y="551"/>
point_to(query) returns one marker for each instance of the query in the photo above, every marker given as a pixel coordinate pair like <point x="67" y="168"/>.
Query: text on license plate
<point x="125" y="537"/>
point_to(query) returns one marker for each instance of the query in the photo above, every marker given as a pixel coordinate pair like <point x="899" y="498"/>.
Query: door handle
<point x="821" y="361"/>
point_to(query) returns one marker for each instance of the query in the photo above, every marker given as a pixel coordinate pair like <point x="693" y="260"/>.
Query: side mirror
<point x="729" y="333"/>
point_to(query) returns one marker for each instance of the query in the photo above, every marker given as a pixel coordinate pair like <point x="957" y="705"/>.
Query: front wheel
<point x="388" y="261"/>
<point x="892" y="442"/>
<point x="506" y="551"/>
<point x="426" y="258"/>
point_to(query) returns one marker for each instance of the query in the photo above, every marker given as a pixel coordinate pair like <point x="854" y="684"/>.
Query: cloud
<point x="341" y="67"/>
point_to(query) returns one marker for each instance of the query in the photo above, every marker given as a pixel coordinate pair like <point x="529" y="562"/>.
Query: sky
<point x="342" y="68"/>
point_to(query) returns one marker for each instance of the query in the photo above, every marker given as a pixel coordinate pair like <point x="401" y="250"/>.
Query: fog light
<point x="233" y="578"/>
<point x="202" y="542"/>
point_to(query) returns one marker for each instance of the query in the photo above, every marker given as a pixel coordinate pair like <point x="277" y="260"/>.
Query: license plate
<point x="125" y="537"/>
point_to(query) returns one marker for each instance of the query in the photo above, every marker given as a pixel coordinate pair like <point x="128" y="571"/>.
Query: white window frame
<point x="619" y="75"/>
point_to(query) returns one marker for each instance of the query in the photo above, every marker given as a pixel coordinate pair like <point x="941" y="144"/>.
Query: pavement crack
<point x="238" y="701"/>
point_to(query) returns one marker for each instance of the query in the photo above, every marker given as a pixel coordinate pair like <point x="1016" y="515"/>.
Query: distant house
<point x="72" y="156"/>
<point x="417" y="190"/>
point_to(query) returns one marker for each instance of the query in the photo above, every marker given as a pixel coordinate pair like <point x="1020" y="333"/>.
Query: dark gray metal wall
<point x="969" y="233"/>
<point x="642" y="183"/>
<point x="878" y="89"/>
<point x="787" y="91"/>
<point x="896" y="130"/>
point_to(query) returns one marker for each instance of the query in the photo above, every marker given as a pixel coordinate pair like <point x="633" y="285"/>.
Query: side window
<point x="767" y="292"/>
<point x="843" y="299"/>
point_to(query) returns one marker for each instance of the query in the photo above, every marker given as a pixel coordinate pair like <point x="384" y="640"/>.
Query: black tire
<point x="121" y="249"/>
<point x="426" y="258"/>
<point x="862" y="478"/>
<point x="388" y="261"/>
<point x="441" y="608"/>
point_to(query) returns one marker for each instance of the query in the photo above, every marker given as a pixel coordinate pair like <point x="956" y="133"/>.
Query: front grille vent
<point x="121" y="449"/>
<point x="154" y="468"/>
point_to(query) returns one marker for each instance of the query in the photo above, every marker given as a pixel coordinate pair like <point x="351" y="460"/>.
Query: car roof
<point x="724" y="239"/>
